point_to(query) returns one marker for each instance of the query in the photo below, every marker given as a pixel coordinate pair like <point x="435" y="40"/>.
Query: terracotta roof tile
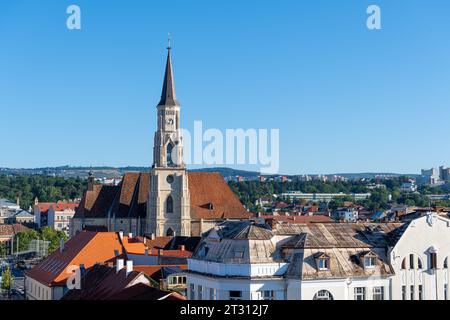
<point x="211" y="189"/>
<point x="8" y="230"/>
<point x="211" y="198"/>
<point x="88" y="248"/>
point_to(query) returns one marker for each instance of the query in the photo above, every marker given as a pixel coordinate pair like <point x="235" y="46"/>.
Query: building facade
<point x="335" y="261"/>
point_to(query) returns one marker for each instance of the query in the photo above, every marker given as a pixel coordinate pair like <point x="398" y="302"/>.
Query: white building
<point x="55" y="215"/>
<point x="409" y="186"/>
<point x="321" y="197"/>
<point x="345" y="261"/>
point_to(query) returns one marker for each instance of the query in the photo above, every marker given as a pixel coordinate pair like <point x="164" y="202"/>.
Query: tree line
<point x="45" y="188"/>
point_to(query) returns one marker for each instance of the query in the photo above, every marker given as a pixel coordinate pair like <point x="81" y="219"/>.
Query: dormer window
<point x="324" y="264"/>
<point x="322" y="261"/>
<point x="369" y="262"/>
<point x="369" y="259"/>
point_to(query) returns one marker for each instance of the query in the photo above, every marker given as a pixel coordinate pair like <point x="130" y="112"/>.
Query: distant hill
<point x="112" y="172"/>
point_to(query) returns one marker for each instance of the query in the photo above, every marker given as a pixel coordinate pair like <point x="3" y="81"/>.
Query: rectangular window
<point x="369" y="262"/>
<point x="267" y="295"/>
<point x="433" y="260"/>
<point x="360" y="293"/>
<point x="323" y="264"/>
<point x="412" y="292"/>
<point x="212" y="294"/>
<point x="378" y="293"/>
<point x="445" y="291"/>
<point x="403" y="292"/>
<point x="235" y="295"/>
<point x="191" y="292"/>
<point x="420" y="292"/>
<point x="200" y="292"/>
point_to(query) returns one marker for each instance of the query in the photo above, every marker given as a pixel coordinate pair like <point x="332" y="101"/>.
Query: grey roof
<point x="168" y="96"/>
<point x="342" y="235"/>
<point x="24" y="213"/>
<point x="344" y="263"/>
<point x="241" y="242"/>
<point x="7" y="203"/>
<point x="244" y="230"/>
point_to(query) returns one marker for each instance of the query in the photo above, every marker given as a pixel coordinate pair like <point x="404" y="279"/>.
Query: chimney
<point x="130" y="236"/>
<point x="145" y="240"/>
<point x="61" y="245"/>
<point x="129" y="267"/>
<point x="181" y="247"/>
<point x="119" y="265"/>
<point x="153" y="236"/>
<point x="121" y="235"/>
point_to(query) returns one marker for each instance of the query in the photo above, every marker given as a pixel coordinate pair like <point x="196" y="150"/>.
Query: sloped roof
<point x="57" y="206"/>
<point x="343" y="264"/>
<point x="241" y="242"/>
<point x="101" y="282"/>
<point x="128" y="199"/>
<point x="341" y="235"/>
<point x="210" y="195"/>
<point x="210" y="188"/>
<point x="8" y="230"/>
<point x="24" y="214"/>
<point x="88" y="248"/>
<point x="298" y="219"/>
<point x="244" y="230"/>
<point x="142" y="291"/>
<point x="158" y="272"/>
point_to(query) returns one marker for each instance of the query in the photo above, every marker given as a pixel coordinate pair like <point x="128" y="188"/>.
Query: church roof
<point x="211" y="198"/>
<point x="168" y="95"/>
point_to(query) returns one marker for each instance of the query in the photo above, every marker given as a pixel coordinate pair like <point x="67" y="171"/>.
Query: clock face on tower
<point x="169" y="121"/>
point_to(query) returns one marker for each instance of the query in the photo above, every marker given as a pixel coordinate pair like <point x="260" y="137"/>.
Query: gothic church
<point x="166" y="201"/>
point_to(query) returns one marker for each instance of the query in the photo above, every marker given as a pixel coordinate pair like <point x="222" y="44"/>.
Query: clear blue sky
<point x="346" y="99"/>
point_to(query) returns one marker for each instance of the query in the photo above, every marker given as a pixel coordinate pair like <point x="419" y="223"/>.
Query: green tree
<point x="7" y="279"/>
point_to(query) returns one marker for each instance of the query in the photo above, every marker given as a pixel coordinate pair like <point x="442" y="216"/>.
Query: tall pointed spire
<point x="168" y="96"/>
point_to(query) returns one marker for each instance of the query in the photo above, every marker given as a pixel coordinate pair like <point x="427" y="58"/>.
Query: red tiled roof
<point x="57" y="206"/>
<point x="154" y="272"/>
<point x="133" y="246"/>
<point x="8" y="230"/>
<point x="88" y="248"/>
<point x="157" y="243"/>
<point x="102" y="282"/>
<point x="211" y="198"/>
<point x="142" y="291"/>
<point x="298" y="219"/>
<point x="210" y="188"/>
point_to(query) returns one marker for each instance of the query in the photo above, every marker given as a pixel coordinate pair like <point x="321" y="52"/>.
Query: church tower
<point x="169" y="204"/>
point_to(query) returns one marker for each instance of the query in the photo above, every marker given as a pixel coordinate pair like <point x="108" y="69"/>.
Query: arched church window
<point x="169" y="154"/>
<point x="323" y="295"/>
<point x="446" y="263"/>
<point x="170" y="232"/>
<point x="404" y="264"/>
<point x="169" y="204"/>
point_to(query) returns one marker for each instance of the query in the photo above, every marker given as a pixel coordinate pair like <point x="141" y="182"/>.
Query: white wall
<point x="421" y="234"/>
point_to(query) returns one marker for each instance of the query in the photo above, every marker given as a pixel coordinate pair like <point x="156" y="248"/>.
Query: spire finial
<point x="168" y="40"/>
